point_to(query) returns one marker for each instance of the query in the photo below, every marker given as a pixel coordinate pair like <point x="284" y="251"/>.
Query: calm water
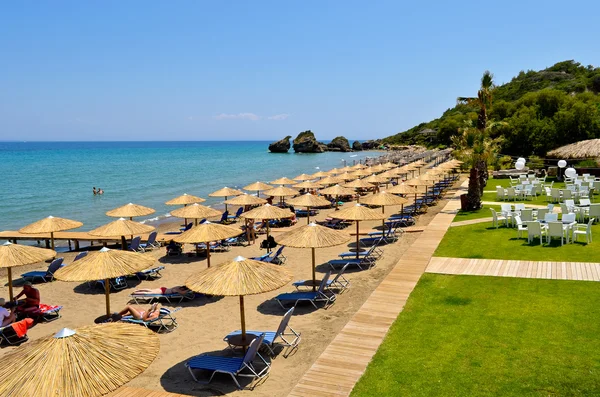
<point x="56" y="178"/>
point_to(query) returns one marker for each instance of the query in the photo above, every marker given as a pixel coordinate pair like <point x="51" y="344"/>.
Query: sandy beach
<point x="204" y="322"/>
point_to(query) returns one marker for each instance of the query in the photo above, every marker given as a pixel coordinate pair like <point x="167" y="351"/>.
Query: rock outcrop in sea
<point x="281" y="146"/>
<point x="357" y="146"/>
<point x="339" y="144"/>
<point x="371" y="144"/>
<point x="306" y="142"/>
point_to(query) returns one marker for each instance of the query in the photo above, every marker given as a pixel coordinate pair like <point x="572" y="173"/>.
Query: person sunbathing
<point x="139" y="314"/>
<point x="31" y="301"/>
<point x="180" y="289"/>
<point x="6" y="316"/>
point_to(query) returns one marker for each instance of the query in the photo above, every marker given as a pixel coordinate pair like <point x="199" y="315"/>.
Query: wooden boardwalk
<point x="137" y="392"/>
<point x="343" y="362"/>
<point x="582" y="271"/>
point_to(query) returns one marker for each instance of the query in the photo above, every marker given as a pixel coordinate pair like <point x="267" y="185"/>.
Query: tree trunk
<point x="482" y="169"/>
<point x="474" y="192"/>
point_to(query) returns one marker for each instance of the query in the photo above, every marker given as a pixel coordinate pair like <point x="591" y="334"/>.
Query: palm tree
<point x="479" y="168"/>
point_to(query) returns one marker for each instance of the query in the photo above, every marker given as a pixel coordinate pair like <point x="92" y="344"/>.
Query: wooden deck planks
<point x="137" y="392"/>
<point x="582" y="271"/>
<point x="343" y="362"/>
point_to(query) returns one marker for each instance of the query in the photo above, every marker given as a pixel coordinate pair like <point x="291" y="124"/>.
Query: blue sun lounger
<point x="289" y="340"/>
<point x="165" y="322"/>
<point x="339" y="282"/>
<point x="320" y="295"/>
<point x="170" y="298"/>
<point x="233" y="366"/>
<point x="44" y="276"/>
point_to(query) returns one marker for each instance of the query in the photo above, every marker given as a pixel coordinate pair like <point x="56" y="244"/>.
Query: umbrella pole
<point x="208" y="253"/>
<point x="314" y="271"/>
<point x="52" y="240"/>
<point x="307" y="215"/>
<point x="225" y="203"/>
<point x="107" y="292"/>
<point x="383" y="220"/>
<point x="123" y="243"/>
<point x="243" y="319"/>
<point x="337" y="200"/>
<point x="10" y="288"/>
<point x="268" y="246"/>
<point x="357" y="239"/>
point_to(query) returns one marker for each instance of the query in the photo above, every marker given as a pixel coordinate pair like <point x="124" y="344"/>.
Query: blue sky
<point x="226" y="70"/>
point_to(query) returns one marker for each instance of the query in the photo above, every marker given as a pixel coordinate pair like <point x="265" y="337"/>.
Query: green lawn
<point x="481" y="213"/>
<point x="482" y="241"/>
<point x="492" y="183"/>
<point x="491" y="336"/>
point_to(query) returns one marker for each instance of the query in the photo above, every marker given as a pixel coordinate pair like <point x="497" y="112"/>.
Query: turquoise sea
<point x="56" y="178"/>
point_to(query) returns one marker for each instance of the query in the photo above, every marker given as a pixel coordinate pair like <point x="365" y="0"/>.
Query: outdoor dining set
<point x="527" y="186"/>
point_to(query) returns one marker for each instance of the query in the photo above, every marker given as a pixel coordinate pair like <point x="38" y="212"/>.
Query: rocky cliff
<point x="306" y="142"/>
<point x="281" y="146"/>
<point x="339" y="144"/>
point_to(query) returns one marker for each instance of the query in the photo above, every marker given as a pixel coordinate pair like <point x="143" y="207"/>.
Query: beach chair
<point x="135" y="244"/>
<point x="165" y="322"/>
<point x="234" y="218"/>
<point x="373" y="252"/>
<point x="43" y="312"/>
<point x="116" y="284"/>
<point x="232" y="366"/>
<point x="150" y="244"/>
<point x="381" y="237"/>
<point x="44" y="276"/>
<point x="224" y="217"/>
<point x="320" y="295"/>
<point x="169" y="298"/>
<point x="239" y="240"/>
<point x="339" y="282"/>
<point x="16" y="333"/>
<point x="367" y="261"/>
<point x="150" y="274"/>
<point x="289" y="340"/>
<point x="278" y="258"/>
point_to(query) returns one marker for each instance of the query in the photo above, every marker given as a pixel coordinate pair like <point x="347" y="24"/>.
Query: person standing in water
<point x="94" y="190"/>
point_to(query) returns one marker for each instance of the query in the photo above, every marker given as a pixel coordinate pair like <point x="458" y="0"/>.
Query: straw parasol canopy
<point x="334" y="171"/>
<point x="258" y="186"/>
<point x="337" y="190"/>
<point x="358" y="213"/>
<point x="313" y="236"/>
<point x="382" y="199"/>
<point x="130" y="210"/>
<point x="226" y="192"/>
<point x="283" y="181"/>
<point x="346" y="176"/>
<point x="358" y="166"/>
<point x="207" y="232"/>
<point x="281" y="191"/>
<point x="185" y="199"/>
<point x="246" y="199"/>
<point x="104" y="265"/>
<point x="362" y="172"/>
<point x="50" y="225"/>
<point x="589" y="148"/>
<point x="359" y="184"/>
<point x="195" y="211"/>
<point x="377" y="179"/>
<point x="13" y="255"/>
<point x="89" y="361"/>
<point x="320" y="174"/>
<point x="239" y="277"/>
<point x="121" y="227"/>
<point x="389" y="165"/>
<point x="309" y="200"/>
<point x="267" y="211"/>
<point x="345" y="169"/>
<point x="308" y="185"/>
<point x="303" y="177"/>
<point x="331" y="180"/>
<point x="402" y="188"/>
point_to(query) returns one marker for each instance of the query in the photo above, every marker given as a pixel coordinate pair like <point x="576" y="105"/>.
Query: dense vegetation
<point x="539" y="111"/>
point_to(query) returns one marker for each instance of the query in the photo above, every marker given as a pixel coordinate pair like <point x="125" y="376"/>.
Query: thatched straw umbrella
<point x="283" y="181"/>
<point x="267" y="212"/>
<point x="195" y="211"/>
<point x="239" y="277"/>
<point x="207" y="232"/>
<point x="346" y="169"/>
<point x="258" y="186"/>
<point x="246" y="199"/>
<point x="362" y="172"/>
<point x="377" y="179"/>
<point x="309" y="200"/>
<point x="226" y="192"/>
<point x="337" y="191"/>
<point x="358" y="166"/>
<point x="589" y="148"/>
<point x="358" y="184"/>
<point x="104" y="265"/>
<point x="303" y="177"/>
<point x="382" y="199"/>
<point x="313" y="236"/>
<point x="184" y="200"/>
<point x="121" y="227"/>
<point x="308" y="185"/>
<point x="50" y="225"/>
<point x="89" y="361"/>
<point x="281" y="192"/>
<point x="130" y="210"/>
<point x="346" y="176"/>
<point x="334" y="171"/>
<point x="13" y="255"/>
<point x="358" y="213"/>
<point x="389" y="165"/>
<point x="403" y="188"/>
<point x="331" y="180"/>
<point x="320" y="174"/>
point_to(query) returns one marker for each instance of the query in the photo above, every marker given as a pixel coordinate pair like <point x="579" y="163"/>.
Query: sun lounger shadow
<point x="182" y="259"/>
<point x="93" y="289"/>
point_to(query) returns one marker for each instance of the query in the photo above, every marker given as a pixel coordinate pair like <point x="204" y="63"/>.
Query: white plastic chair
<point x="555" y="229"/>
<point x="496" y="219"/>
<point x="583" y="229"/>
<point x="534" y="229"/>
<point x="520" y="226"/>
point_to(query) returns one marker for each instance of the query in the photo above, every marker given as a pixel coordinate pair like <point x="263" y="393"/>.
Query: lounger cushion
<point x="294" y="296"/>
<point x="41" y="274"/>
<point x="268" y="340"/>
<point x="216" y="363"/>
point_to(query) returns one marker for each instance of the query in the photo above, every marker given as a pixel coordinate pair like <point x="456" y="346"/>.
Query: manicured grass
<point x="483" y="241"/>
<point x="492" y="183"/>
<point x="491" y="336"/>
<point x="539" y="200"/>
<point x="484" y="212"/>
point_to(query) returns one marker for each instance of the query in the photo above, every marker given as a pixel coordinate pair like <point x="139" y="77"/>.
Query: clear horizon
<point x="199" y="71"/>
